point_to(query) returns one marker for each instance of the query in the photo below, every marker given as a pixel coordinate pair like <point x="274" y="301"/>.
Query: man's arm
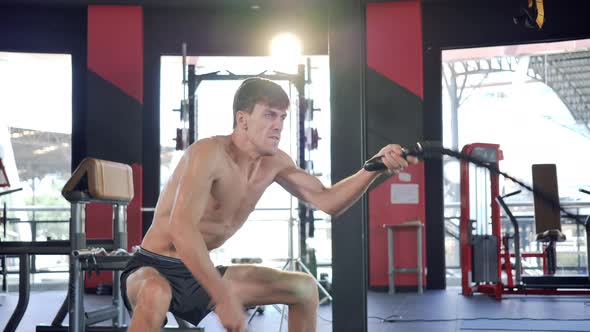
<point x="194" y="187"/>
<point x="340" y="196"/>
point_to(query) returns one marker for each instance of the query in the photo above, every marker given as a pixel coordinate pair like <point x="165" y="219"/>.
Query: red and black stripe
<point x="394" y="115"/>
<point x="114" y="92"/>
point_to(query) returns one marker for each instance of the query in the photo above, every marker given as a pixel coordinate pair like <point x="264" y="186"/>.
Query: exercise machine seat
<point x="547" y="216"/>
<point x="100" y="180"/>
<point x="551" y="235"/>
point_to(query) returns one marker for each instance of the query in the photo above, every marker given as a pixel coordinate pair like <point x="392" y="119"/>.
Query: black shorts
<point x="189" y="301"/>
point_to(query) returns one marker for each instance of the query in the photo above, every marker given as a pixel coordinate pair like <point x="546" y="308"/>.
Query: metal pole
<point x="390" y="253"/>
<point x="578" y="242"/>
<point x="4" y="273"/>
<point x="4" y="221"/>
<point x="419" y="252"/>
<point x="33" y="226"/>
<point x="192" y="111"/>
<point x="23" y="293"/>
<point x="78" y="240"/>
<point x="120" y="239"/>
<point x="587" y="227"/>
<point x="184" y="81"/>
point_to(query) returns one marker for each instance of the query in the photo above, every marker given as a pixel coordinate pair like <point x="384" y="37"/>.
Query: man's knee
<point x="155" y="292"/>
<point x="153" y="301"/>
<point x="306" y="289"/>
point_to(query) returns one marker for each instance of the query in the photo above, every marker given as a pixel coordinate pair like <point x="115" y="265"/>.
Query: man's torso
<point x="232" y="198"/>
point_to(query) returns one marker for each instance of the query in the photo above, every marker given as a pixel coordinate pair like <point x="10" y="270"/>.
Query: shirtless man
<point x="208" y="198"/>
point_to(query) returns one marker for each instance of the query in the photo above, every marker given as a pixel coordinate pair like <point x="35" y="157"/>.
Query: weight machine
<point x="485" y="251"/>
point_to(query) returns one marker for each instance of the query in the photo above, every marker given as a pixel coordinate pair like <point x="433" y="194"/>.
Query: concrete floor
<point x="433" y="311"/>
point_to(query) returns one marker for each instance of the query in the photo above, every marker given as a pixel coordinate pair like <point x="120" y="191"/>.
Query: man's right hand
<point x="231" y="313"/>
<point x="392" y="157"/>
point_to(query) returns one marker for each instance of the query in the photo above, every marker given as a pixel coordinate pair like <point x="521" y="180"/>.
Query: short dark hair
<point x="259" y="90"/>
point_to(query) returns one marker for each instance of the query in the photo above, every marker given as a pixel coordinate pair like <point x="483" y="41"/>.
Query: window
<point x="35" y="147"/>
<point x="529" y="100"/>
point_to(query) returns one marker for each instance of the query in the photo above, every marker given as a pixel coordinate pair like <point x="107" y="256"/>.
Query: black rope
<point x="428" y="150"/>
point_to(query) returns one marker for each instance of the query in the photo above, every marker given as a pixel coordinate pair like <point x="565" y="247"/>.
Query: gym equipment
<point x="182" y="134"/>
<point x="548" y="229"/>
<point x="94" y="181"/>
<point x="478" y="242"/>
<point x="480" y="225"/>
<point x="312" y="138"/>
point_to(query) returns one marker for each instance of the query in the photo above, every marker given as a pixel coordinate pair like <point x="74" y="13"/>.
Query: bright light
<point x="286" y="49"/>
<point x="285" y="44"/>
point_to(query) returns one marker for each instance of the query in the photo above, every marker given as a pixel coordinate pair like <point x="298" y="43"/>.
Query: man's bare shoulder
<point x="281" y="160"/>
<point x="206" y="154"/>
<point x="211" y="147"/>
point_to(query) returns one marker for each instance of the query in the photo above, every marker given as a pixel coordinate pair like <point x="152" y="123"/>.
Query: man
<point x="207" y="199"/>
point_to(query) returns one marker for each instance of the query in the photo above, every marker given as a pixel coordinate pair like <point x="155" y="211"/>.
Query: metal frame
<point x="465" y="225"/>
<point x="559" y="285"/>
<point x="79" y="320"/>
<point x="391" y="254"/>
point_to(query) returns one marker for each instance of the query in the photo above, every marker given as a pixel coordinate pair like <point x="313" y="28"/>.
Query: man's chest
<point x="236" y="195"/>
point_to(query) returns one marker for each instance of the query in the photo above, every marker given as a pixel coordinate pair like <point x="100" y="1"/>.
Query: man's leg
<point x="149" y="294"/>
<point x="255" y="285"/>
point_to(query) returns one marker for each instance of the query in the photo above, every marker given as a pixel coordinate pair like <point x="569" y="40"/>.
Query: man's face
<point x="264" y="127"/>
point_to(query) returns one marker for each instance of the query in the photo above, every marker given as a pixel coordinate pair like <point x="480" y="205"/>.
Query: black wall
<point x="52" y="30"/>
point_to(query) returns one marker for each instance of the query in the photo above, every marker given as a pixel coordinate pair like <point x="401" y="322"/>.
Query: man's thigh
<point x="258" y="285"/>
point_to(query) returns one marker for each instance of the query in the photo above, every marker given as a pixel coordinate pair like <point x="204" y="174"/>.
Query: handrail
<point x="39" y="209"/>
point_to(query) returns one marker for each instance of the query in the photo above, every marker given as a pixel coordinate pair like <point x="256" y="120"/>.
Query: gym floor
<point x="444" y="310"/>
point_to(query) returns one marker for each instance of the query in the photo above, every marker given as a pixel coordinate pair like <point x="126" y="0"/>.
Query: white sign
<point x="406" y="193"/>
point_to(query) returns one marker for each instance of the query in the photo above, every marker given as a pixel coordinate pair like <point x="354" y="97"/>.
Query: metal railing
<point x="12" y="267"/>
